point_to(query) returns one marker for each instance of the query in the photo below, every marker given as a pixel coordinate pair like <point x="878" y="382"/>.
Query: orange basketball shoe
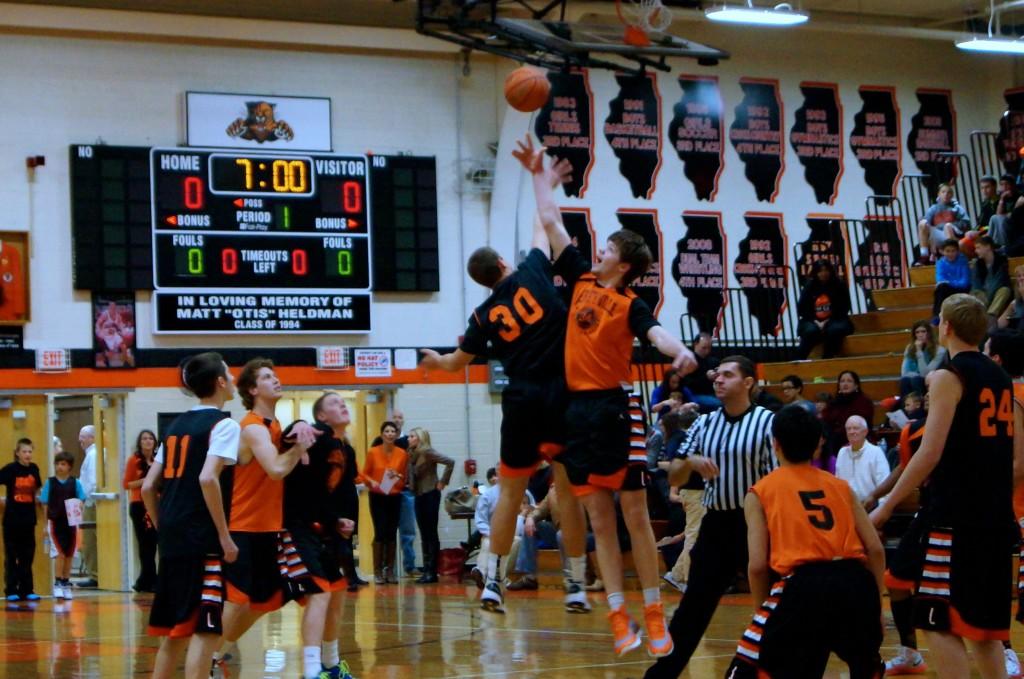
<point x="626" y="631"/>
<point x="659" y="641"/>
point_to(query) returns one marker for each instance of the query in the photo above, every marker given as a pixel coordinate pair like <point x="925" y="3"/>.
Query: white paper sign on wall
<point x="258" y="121"/>
<point x="372" y="362"/>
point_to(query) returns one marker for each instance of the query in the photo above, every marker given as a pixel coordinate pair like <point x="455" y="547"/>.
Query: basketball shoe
<point x="907" y="661"/>
<point x="659" y="641"/>
<point x="491" y="598"/>
<point x="626" y="631"/>
<point x="576" y="598"/>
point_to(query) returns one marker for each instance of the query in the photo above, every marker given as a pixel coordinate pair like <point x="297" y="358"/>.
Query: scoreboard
<point x="260" y="242"/>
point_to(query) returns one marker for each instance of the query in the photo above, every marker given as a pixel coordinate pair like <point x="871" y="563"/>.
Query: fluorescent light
<point x="783" y="15"/>
<point x="992" y="45"/>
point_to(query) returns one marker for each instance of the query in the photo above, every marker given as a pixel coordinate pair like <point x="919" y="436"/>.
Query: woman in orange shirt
<point x="134" y="474"/>
<point x="385" y="473"/>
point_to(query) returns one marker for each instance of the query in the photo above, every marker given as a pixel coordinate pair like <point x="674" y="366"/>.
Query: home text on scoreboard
<point x="260" y="242"/>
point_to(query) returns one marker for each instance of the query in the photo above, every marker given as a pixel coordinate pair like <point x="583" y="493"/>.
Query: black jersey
<point x="522" y="323"/>
<point x="972" y="485"/>
<point x="185" y="526"/>
<point x="59" y="493"/>
<point x="324" y="490"/>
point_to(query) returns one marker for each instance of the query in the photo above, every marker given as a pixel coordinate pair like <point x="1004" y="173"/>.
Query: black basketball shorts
<point x="598" y="429"/>
<point x="189" y="597"/>
<point x="309" y="562"/>
<point x="254" y="578"/>
<point x="904" y="567"/>
<point x="532" y="424"/>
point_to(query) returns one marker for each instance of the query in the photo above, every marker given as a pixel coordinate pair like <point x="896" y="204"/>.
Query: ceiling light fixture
<point x="992" y="44"/>
<point x="781" y="15"/>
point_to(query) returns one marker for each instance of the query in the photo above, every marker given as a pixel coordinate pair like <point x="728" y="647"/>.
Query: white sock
<point x="578" y="568"/>
<point x="616" y="600"/>
<point x="329" y="653"/>
<point x="652" y="596"/>
<point x="492" y="568"/>
<point x="311" y="662"/>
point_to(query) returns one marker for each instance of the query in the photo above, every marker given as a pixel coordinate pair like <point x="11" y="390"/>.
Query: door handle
<point x="104" y="496"/>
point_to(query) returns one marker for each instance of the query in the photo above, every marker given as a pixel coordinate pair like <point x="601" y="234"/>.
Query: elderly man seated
<point x="860" y="463"/>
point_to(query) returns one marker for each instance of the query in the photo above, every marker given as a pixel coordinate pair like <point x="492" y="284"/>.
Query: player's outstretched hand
<point x="304" y="434"/>
<point x="431" y="359"/>
<point x="684" y="363"/>
<point x="531" y="158"/>
<point x="560" y="172"/>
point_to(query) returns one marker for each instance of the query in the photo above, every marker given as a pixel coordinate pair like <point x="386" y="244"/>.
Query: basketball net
<point x="640" y="18"/>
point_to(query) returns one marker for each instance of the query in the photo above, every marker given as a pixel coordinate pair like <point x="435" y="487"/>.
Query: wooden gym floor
<point x="398" y="632"/>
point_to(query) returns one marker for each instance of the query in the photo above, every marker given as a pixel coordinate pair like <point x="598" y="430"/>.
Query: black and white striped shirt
<point x="740" y="446"/>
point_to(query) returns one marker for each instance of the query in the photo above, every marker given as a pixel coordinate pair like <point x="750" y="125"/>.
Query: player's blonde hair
<point x="967" y="317"/>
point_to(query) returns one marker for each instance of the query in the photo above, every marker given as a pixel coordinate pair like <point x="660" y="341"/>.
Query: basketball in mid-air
<point x="527" y="88"/>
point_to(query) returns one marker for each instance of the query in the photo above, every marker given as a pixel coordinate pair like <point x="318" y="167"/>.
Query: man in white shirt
<point x="87" y="476"/>
<point x="485" y="506"/>
<point x="861" y="464"/>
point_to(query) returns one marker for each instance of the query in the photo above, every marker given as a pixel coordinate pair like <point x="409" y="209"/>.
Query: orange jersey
<point x="257" y="501"/>
<point x="810" y="518"/>
<point x="599" y="338"/>
<point x="377" y="461"/>
<point x="133" y="472"/>
<point x="12" y="285"/>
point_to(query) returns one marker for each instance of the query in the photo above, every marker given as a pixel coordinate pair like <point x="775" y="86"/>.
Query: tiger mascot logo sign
<point x="260" y="124"/>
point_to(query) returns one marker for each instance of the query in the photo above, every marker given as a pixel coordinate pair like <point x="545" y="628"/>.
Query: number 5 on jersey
<point x="527" y="312"/>
<point x="820" y="516"/>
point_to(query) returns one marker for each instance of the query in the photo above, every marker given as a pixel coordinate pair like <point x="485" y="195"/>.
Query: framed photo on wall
<point x="113" y="329"/>
<point x="14" y="282"/>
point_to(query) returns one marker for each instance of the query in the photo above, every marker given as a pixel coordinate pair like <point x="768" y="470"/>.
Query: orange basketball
<point x="527" y="88"/>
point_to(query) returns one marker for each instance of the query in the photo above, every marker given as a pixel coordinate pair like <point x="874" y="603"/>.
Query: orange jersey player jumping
<point x="605" y="315"/>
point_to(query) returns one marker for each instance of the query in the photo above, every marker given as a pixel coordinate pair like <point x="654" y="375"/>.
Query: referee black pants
<point x="720" y="552"/>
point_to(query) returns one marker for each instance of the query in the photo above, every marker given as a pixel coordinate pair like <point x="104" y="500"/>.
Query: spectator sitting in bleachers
<point x="998" y="224"/>
<point x="1013" y="317"/>
<point x="824" y="311"/>
<point x="921" y="356"/>
<point x="861" y="463"/>
<point x="945" y="219"/>
<point x="700" y="381"/>
<point x="821" y="402"/>
<point x="1014" y="230"/>
<point x="991" y="280"/>
<point x="793" y="392"/>
<point x="952" y="274"/>
<point x="848" y="401"/>
<point x="670" y="394"/>
<point x="987" y="187"/>
<point x="913" y="406"/>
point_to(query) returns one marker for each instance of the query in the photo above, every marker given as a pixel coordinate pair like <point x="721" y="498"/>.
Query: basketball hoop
<point x="642" y="17"/>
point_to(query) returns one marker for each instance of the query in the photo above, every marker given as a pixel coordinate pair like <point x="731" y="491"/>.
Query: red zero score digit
<point x="193" y="189"/>
<point x="229" y="261"/>
<point x="352" y="197"/>
<point x="299" y="264"/>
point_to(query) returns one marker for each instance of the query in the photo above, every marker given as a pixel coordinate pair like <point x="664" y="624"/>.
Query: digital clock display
<point x="261" y="175"/>
<point x="258" y="223"/>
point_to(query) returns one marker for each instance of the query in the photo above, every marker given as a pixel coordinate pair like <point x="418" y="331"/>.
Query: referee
<point x="732" y="449"/>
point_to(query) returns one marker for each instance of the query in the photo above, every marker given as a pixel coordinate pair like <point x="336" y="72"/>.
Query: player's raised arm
<point x="683" y="360"/>
<point x="450" y="362"/>
<point x="544" y="180"/>
<point x="257" y="439"/>
<point x="944" y="391"/>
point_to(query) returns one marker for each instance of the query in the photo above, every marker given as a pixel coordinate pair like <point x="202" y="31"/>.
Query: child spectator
<point x="824" y="311"/>
<point x="913" y="406"/>
<point x="690" y="495"/>
<point x="861" y="463"/>
<point x="922" y="355"/>
<point x="952" y="274"/>
<point x="22" y="480"/>
<point x="63" y="537"/>
<point x="944" y="220"/>
<point x="821" y="402"/>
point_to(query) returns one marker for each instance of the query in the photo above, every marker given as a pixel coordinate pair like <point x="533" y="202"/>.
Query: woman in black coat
<point x="824" y="311"/>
